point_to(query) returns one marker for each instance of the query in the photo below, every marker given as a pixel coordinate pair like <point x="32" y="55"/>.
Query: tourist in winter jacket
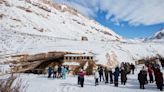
<point x="81" y="74"/>
<point x="59" y="71"/>
<point x="123" y="76"/>
<point x="101" y="73"/>
<point x="132" y="67"/>
<point x="49" y="71"/>
<point x="64" y="71"/>
<point x="111" y="76"/>
<point x="96" y="76"/>
<point x="144" y="70"/>
<point x="78" y="78"/>
<point x="116" y="75"/>
<point x="142" y="79"/>
<point x="159" y="80"/>
<point x="55" y="71"/>
<point x="150" y="71"/>
<point x="106" y="74"/>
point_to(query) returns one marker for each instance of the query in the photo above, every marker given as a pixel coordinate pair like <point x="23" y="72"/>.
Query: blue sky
<point x="129" y="31"/>
<point x="128" y="18"/>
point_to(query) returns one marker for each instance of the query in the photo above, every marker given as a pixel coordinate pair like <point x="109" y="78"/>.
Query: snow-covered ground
<point x="40" y="83"/>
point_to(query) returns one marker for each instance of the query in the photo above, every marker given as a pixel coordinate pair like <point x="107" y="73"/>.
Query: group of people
<point x="154" y="73"/>
<point x="121" y="71"/>
<point x="112" y="77"/>
<point x="58" y="71"/>
<point x="105" y="74"/>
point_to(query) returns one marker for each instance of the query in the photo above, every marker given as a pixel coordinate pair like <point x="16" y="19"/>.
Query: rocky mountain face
<point x="159" y="35"/>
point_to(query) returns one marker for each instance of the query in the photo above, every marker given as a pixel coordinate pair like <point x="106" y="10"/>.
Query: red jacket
<point x="81" y="74"/>
<point x="159" y="77"/>
<point x="150" y="71"/>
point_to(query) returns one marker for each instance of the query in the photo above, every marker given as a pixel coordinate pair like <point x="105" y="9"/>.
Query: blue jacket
<point x="116" y="74"/>
<point x="49" y="70"/>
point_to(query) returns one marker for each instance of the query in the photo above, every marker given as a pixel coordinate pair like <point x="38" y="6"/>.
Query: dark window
<point x="88" y="58"/>
<point x="74" y="57"/>
<point x="66" y="58"/>
<point x="70" y="57"/>
<point x="78" y="58"/>
<point x="91" y="58"/>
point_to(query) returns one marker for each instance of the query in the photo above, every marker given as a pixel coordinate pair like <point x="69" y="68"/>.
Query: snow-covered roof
<point x="78" y="55"/>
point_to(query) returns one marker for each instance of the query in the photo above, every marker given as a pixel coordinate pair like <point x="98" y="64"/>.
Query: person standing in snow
<point x="55" y="71"/>
<point x="144" y="70"/>
<point x="81" y="74"/>
<point x="150" y="71"/>
<point x="159" y="79"/>
<point x="142" y="79"/>
<point x="111" y="76"/>
<point x="49" y="72"/>
<point x="96" y="76"/>
<point x="78" y="78"/>
<point x="123" y="76"/>
<point x="59" y="71"/>
<point x="132" y="67"/>
<point x="106" y="74"/>
<point x="101" y="73"/>
<point x="116" y="76"/>
<point x="64" y="71"/>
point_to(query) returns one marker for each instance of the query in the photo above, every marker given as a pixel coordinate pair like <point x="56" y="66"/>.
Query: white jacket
<point x="96" y="75"/>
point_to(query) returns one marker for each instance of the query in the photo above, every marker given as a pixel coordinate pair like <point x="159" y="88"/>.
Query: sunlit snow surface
<point x="40" y="83"/>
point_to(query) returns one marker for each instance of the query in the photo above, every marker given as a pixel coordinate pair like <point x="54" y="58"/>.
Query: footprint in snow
<point x="67" y="89"/>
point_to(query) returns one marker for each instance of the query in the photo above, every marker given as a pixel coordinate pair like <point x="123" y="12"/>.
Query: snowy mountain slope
<point x="27" y="28"/>
<point x="16" y="42"/>
<point x="160" y="34"/>
<point x="37" y="17"/>
<point x="157" y="37"/>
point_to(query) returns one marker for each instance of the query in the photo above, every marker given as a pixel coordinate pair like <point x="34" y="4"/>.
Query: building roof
<point x="78" y="55"/>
